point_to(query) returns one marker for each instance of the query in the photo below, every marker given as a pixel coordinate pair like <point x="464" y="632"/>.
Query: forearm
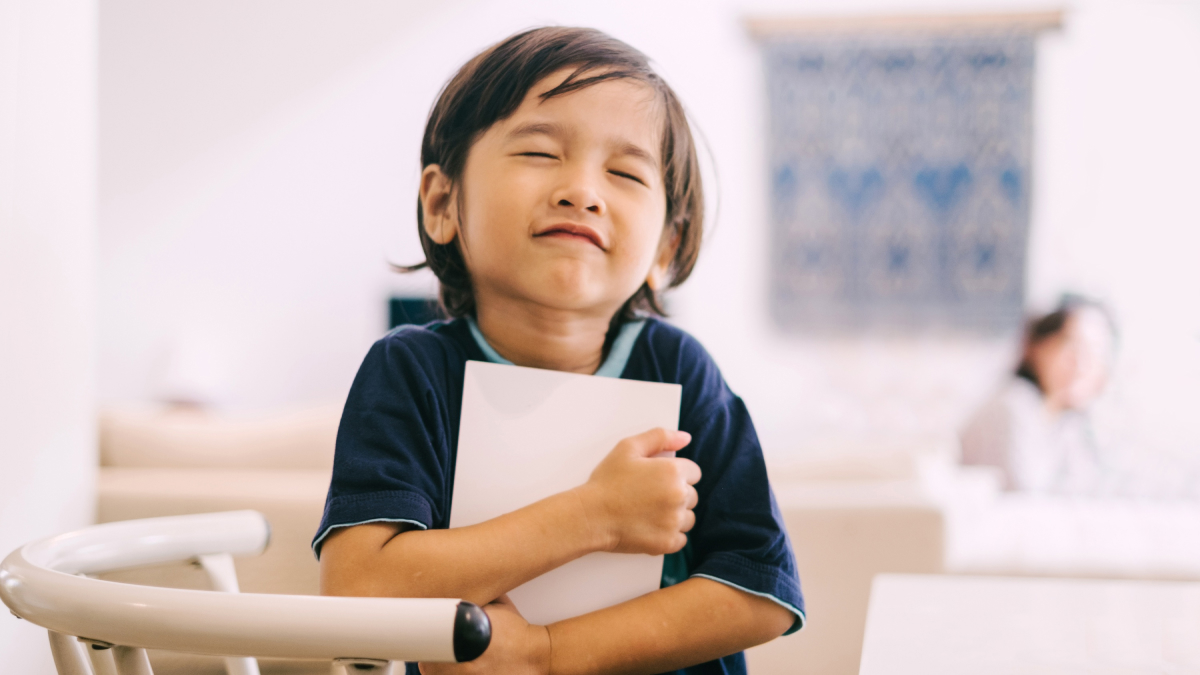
<point x="692" y="622"/>
<point x="477" y="563"/>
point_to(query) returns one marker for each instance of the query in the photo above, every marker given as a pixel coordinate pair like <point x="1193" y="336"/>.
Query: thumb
<point x="655" y="441"/>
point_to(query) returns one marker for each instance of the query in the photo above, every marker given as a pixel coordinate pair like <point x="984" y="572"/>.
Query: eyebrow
<point x="558" y="131"/>
<point x="637" y="152"/>
<point x="538" y="129"/>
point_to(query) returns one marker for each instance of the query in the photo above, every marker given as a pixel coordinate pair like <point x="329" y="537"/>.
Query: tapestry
<point x="900" y="176"/>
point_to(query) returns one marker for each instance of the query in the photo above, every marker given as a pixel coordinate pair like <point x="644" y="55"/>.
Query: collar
<point x="613" y="366"/>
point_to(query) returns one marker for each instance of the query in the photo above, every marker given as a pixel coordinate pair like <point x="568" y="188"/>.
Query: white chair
<point x="103" y="628"/>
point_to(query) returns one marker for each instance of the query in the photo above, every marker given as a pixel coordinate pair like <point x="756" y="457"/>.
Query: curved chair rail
<point x="42" y="583"/>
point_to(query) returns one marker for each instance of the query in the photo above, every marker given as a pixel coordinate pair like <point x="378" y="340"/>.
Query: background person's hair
<point x="1040" y="329"/>
<point x="492" y="85"/>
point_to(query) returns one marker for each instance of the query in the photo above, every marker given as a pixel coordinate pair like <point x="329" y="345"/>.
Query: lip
<point x="574" y="230"/>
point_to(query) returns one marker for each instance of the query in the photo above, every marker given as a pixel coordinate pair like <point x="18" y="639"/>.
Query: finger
<point x="678" y="543"/>
<point x="677" y="440"/>
<point x="689" y="471"/>
<point x="503" y="600"/>
<point x="691" y="498"/>
<point x="650" y="443"/>
<point x="689" y="521"/>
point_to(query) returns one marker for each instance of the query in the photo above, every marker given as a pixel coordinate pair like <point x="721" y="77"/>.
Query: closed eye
<point x="536" y="154"/>
<point x="630" y="176"/>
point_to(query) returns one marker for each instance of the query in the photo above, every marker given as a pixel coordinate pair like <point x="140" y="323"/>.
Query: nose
<point x="578" y="190"/>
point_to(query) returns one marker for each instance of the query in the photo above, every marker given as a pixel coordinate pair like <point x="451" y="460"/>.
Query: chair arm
<point x="40" y="582"/>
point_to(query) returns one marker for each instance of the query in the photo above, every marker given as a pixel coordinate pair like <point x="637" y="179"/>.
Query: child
<point x="1036" y="429"/>
<point x="560" y="194"/>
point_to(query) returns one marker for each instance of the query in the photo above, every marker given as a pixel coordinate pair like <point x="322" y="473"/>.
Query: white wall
<point x="1118" y="214"/>
<point x="47" y="254"/>
<point x="259" y="164"/>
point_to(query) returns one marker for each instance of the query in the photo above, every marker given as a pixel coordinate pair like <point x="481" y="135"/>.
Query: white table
<point x="954" y="625"/>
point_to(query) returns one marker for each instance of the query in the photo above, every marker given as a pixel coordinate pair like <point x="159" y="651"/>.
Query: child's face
<point x="562" y="204"/>
<point x="1072" y="366"/>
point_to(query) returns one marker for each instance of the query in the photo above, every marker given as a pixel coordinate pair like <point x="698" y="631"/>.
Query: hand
<point x="643" y="503"/>
<point x="517" y="647"/>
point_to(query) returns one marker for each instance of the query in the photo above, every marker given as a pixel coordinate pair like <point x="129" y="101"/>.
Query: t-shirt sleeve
<point x="392" y="459"/>
<point x="739" y="538"/>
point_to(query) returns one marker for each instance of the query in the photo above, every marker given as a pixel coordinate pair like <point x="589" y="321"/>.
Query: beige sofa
<point x="849" y="517"/>
<point x="174" y="462"/>
<point x="844" y="532"/>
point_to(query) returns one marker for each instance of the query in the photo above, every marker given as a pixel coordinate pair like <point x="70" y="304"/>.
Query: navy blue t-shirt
<point x="396" y="451"/>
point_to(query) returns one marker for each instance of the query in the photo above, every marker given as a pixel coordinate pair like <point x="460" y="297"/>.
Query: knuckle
<point x="665" y="471"/>
<point x="680" y="469"/>
<point x="670" y="498"/>
<point x="682" y="494"/>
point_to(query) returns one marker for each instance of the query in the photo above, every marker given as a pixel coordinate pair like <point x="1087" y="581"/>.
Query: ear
<point x="657" y="278"/>
<point x="438" y="205"/>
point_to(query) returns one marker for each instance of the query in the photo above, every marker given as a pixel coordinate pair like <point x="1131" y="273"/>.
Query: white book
<point x="526" y="434"/>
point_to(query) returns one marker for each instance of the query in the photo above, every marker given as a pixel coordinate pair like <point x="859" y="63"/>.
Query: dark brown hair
<point x="1040" y="329"/>
<point x="491" y="86"/>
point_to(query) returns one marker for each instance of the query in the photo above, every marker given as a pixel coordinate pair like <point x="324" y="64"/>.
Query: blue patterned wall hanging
<point x="900" y="176"/>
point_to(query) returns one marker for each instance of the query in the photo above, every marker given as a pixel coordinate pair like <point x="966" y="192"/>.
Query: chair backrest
<point x="43" y="583"/>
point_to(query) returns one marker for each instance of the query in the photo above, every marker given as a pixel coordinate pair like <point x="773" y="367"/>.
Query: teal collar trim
<point x="613" y="366"/>
<point x="622" y="347"/>
<point x="491" y="354"/>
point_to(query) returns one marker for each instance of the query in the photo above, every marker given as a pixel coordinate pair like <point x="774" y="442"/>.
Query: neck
<point x="1055" y="404"/>
<point x="542" y="337"/>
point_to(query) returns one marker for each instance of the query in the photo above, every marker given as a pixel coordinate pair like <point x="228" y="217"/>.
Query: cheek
<point x="1090" y="375"/>
<point x="644" y="232"/>
<point x="495" y="206"/>
<point x="647" y="247"/>
<point x="1050" y="367"/>
<point x="1066" y="371"/>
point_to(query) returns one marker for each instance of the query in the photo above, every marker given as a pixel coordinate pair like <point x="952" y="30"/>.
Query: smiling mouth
<point x="571" y="231"/>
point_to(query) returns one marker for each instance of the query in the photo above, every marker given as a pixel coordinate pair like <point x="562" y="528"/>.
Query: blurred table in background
<point x="934" y="625"/>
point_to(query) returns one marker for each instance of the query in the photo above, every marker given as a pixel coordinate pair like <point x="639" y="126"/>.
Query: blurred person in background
<point x="1035" y="429"/>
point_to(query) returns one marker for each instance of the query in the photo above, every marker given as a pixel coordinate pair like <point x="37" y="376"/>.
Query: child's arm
<point x="633" y="503"/>
<point x="692" y="622"/>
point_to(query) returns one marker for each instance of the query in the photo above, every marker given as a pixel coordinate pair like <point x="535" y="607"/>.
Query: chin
<point x="568" y="284"/>
<point x="572" y="286"/>
<point x="568" y="298"/>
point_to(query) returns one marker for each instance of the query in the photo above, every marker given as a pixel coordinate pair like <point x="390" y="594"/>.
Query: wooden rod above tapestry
<point x="766" y="27"/>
